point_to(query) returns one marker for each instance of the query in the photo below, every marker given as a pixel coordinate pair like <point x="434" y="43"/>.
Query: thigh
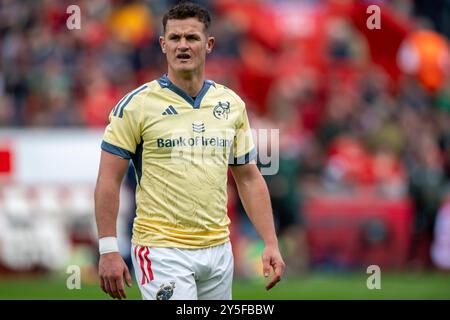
<point x="219" y="285"/>
<point x="163" y="274"/>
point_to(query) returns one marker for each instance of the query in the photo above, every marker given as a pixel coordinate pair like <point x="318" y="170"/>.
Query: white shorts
<point x="184" y="274"/>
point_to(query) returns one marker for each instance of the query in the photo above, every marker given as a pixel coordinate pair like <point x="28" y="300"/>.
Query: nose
<point x="183" y="46"/>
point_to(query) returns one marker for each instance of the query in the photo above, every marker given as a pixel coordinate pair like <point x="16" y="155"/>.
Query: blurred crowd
<point x="357" y="108"/>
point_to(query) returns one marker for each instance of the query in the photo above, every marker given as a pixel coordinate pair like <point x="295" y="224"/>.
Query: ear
<point x="210" y="44"/>
<point x="162" y="43"/>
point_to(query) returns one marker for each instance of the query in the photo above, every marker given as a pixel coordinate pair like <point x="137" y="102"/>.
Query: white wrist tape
<point x="107" y="245"/>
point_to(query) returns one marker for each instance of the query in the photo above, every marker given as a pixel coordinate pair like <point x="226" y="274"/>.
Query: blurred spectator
<point x="427" y="182"/>
<point x="440" y="252"/>
<point x="284" y="186"/>
<point x="131" y="23"/>
<point x="425" y="54"/>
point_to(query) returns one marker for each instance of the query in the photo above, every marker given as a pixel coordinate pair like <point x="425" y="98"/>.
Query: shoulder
<point x="145" y="90"/>
<point x="133" y="99"/>
<point x="224" y="91"/>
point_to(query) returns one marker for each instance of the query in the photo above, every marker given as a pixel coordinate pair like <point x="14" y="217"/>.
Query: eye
<point x="192" y="37"/>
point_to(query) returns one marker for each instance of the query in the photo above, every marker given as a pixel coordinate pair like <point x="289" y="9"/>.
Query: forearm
<point x="106" y="207"/>
<point x="255" y="198"/>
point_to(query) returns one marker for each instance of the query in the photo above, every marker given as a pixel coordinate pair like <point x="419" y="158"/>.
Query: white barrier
<point x="47" y="196"/>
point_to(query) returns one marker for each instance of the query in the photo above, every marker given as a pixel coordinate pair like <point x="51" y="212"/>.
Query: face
<point x="186" y="44"/>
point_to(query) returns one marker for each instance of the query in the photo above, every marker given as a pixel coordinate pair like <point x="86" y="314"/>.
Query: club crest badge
<point x="222" y="110"/>
<point x="165" y="291"/>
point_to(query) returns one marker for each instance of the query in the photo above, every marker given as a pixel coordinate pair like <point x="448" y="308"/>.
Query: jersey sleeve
<point x="244" y="149"/>
<point x="123" y="133"/>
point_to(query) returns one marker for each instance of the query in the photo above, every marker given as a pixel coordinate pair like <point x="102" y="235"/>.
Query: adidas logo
<point x="169" y="111"/>
<point x="198" y="127"/>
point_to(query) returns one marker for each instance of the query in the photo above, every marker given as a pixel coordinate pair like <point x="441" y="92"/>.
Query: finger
<point x="266" y="265"/>
<point x="127" y="277"/>
<point x="278" y="272"/>
<point x="113" y="286"/>
<point x="107" y="287"/>
<point x="278" y="269"/>
<point x="275" y="279"/>
<point x="102" y="285"/>
<point x="120" y="288"/>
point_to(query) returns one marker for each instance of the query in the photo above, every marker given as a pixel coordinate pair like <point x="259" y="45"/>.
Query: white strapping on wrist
<point x="107" y="245"/>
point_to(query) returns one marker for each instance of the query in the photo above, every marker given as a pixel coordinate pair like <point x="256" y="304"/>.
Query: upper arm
<point x="112" y="168"/>
<point x="122" y="137"/>
<point x="245" y="173"/>
<point x="123" y="133"/>
<point x="244" y="149"/>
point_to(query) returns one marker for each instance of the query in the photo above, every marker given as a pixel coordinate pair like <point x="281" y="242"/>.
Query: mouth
<point x="183" y="56"/>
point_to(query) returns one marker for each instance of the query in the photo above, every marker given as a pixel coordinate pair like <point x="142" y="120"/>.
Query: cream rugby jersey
<point x="180" y="148"/>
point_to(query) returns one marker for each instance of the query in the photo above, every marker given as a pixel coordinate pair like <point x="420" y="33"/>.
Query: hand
<point x="112" y="270"/>
<point x="271" y="257"/>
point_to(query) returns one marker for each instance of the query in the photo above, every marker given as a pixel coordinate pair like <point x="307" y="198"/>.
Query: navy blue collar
<point x="164" y="82"/>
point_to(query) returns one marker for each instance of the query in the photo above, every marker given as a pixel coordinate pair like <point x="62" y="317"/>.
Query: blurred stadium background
<point x="364" y="119"/>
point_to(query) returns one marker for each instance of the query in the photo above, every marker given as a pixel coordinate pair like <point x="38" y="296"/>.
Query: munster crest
<point x="222" y="110"/>
<point x="165" y="291"/>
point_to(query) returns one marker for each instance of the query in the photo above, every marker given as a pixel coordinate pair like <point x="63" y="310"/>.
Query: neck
<point x="190" y="83"/>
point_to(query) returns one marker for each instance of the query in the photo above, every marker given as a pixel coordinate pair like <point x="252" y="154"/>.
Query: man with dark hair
<point x="188" y="10"/>
<point x="181" y="132"/>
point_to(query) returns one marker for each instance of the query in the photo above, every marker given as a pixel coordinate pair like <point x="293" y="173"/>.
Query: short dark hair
<point x="185" y="10"/>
